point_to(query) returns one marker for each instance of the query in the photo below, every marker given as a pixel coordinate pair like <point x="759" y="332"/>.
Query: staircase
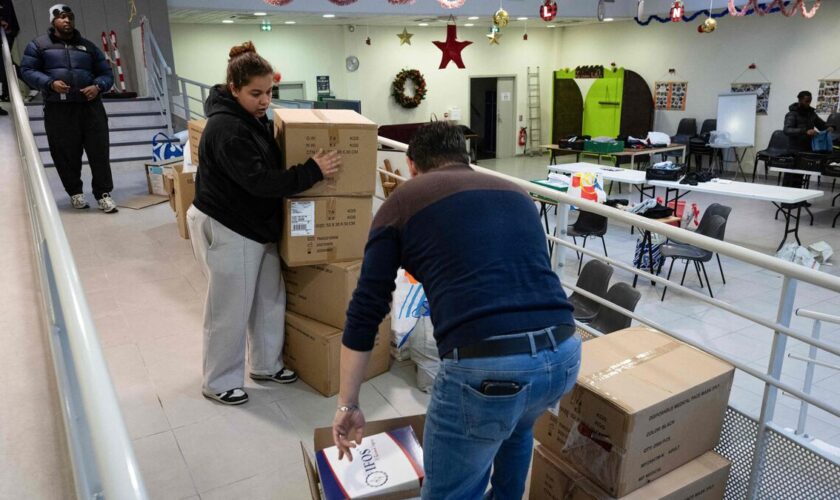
<point x="132" y="123"/>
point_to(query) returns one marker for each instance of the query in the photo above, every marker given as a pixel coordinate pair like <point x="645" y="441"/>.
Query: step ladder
<point x="534" y="114"/>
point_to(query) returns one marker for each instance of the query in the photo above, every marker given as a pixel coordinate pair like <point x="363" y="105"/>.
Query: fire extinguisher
<point x="523" y="135"/>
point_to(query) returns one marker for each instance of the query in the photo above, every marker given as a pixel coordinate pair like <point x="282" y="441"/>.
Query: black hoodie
<point x="241" y="181"/>
<point x="798" y="122"/>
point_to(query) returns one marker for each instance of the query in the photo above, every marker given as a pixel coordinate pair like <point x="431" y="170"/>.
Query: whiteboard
<point x="736" y="116"/>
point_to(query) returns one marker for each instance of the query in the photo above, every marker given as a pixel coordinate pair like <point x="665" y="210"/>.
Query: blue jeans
<point x="468" y="432"/>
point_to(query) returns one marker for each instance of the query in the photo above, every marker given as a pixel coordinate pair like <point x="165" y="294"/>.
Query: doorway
<point x="493" y="116"/>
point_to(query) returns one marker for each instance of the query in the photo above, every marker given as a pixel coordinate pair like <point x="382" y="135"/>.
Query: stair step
<point x="117" y="137"/>
<point x="119" y="121"/>
<point x="117" y="154"/>
<point x="112" y="106"/>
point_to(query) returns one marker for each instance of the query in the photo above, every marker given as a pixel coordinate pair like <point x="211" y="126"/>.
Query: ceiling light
<point x="260" y="14"/>
<point x="469" y="25"/>
<point x="227" y="21"/>
<point x="551" y="26"/>
<point x="423" y="24"/>
<point x="609" y="19"/>
<point x="329" y="16"/>
<point x="473" y="18"/>
<point x="290" y="22"/>
<point x="521" y="18"/>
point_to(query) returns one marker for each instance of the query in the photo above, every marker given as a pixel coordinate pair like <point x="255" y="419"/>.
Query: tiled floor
<point x="146" y="293"/>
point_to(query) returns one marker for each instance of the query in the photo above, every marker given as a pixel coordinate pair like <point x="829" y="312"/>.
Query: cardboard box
<point x="322" y="292"/>
<point x="155" y="176"/>
<point x="644" y="404"/>
<point x="704" y="478"/>
<point x="313" y="350"/>
<point x="323" y="439"/>
<point x="302" y="132"/>
<point x="182" y="196"/>
<point x="169" y="187"/>
<point x="325" y="230"/>
<point x="196" y="128"/>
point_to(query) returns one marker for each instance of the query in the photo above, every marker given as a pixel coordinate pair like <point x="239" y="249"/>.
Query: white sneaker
<point x="107" y="204"/>
<point x="78" y="201"/>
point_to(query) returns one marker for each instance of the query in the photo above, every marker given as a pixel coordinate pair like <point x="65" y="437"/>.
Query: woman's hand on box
<point x="329" y="163"/>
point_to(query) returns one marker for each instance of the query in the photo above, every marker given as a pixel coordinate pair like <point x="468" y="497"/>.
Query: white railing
<point x="101" y="455"/>
<point x="780" y="324"/>
<point x="158" y="72"/>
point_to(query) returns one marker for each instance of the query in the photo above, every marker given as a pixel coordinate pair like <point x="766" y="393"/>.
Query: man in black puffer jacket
<point x="801" y="123"/>
<point x="71" y="72"/>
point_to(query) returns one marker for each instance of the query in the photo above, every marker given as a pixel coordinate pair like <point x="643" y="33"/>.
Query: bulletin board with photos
<point x="762" y="89"/>
<point x="828" y="99"/>
<point x="670" y="96"/>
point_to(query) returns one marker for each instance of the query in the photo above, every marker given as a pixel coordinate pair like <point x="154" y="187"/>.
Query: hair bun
<point x="238" y="50"/>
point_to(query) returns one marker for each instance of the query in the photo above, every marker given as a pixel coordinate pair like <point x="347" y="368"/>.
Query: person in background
<point x="9" y="24"/>
<point x="802" y="123"/>
<point x="71" y="72"/>
<point x="235" y="224"/>
<point x="503" y="325"/>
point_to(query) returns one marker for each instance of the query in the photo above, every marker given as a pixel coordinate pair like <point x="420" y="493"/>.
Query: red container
<point x="678" y="207"/>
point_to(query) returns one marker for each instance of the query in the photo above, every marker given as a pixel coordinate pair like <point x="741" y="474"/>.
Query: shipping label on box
<point x="302" y="132"/>
<point x="313" y="350"/>
<point x="384" y="463"/>
<point x="703" y="478"/>
<point x="322" y="292"/>
<point x="644" y="404"/>
<point x="325" y="230"/>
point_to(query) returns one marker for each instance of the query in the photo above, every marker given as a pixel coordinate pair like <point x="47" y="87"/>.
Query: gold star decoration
<point x="405" y="37"/>
<point x="494" y="37"/>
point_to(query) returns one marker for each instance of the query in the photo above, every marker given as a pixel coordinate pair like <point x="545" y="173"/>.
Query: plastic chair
<point x="587" y="225"/>
<point x="685" y="131"/>
<point x="690" y="253"/>
<point x="699" y="145"/>
<point x="704" y="228"/>
<point x="608" y="320"/>
<point x="777" y="154"/>
<point x="594" y="278"/>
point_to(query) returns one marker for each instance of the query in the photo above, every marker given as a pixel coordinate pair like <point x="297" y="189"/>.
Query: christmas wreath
<point x="398" y="88"/>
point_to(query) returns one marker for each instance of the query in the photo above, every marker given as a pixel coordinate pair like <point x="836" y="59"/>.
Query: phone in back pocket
<point x="497" y="388"/>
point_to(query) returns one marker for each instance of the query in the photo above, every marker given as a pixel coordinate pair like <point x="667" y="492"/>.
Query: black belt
<point x="520" y="344"/>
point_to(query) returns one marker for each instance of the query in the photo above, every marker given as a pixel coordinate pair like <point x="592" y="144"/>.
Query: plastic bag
<point x="588" y="186"/>
<point x="641" y="258"/>
<point x="797" y="254"/>
<point x="691" y="218"/>
<point x="163" y="150"/>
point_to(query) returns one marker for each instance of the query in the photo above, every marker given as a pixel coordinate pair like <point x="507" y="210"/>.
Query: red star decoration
<point x="451" y="48"/>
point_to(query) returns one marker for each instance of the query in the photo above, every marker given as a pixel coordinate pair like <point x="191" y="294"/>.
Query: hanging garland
<point x="709" y="13"/>
<point x="764" y="9"/>
<point x="451" y="4"/>
<point x="401" y="2"/>
<point x="342" y="3"/>
<point x="398" y="88"/>
<point x="278" y="3"/>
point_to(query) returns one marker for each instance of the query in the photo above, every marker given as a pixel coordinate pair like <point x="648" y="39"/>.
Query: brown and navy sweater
<point x="476" y="244"/>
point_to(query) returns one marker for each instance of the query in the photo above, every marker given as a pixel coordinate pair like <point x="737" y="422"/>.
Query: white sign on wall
<point x="506" y="96"/>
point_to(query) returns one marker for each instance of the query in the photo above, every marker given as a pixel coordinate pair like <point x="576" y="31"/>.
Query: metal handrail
<point x="827" y="318"/>
<point x="157" y="71"/>
<point x="789" y="269"/>
<point x="102" y="457"/>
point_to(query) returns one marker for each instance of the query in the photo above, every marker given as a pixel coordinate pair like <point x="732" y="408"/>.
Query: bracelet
<point x="348" y="408"/>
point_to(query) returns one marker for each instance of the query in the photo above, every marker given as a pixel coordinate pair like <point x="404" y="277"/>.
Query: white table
<point x="777" y="195"/>
<point x="636" y="178"/>
<point x="734" y="146"/>
<point x="627" y="152"/>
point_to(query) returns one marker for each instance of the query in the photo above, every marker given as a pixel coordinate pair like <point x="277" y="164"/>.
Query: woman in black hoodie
<point x="235" y="223"/>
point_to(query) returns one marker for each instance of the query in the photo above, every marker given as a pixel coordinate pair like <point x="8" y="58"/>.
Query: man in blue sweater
<point x="503" y="324"/>
<point x="71" y="72"/>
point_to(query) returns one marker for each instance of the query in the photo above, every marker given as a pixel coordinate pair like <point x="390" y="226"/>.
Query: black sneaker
<point x="231" y="397"/>
<point x="284" y="376"/>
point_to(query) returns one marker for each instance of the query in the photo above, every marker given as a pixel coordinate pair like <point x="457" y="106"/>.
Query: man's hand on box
<point x="327" y="162"/>
<point x="348" y="427"/>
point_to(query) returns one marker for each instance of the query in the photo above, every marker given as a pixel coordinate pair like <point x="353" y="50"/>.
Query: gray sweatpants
<point x="246" y="299"/>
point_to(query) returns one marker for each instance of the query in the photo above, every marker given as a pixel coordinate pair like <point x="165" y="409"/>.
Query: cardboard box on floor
<point x="322" y="292"/>
<point x="156" y="176"/>
<point x="313" y="350"/>
<point x="323" y="439"/>
<point x="704" y="478"/>
<point x="183" y="194"/>
<point x="196" y="128"/>
<point x="302" y="132"/>
<point x="323" y="230"/>
<point x="644" y="404"/>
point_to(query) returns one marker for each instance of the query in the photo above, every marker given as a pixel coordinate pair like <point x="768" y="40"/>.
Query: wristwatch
<point x="348" y="408"/>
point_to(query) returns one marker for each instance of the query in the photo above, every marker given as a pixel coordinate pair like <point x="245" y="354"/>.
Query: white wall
<point x="302" y="52"/>
<point x="794" y="53"/>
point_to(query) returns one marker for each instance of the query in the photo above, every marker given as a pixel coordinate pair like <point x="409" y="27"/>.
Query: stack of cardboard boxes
<point x="639" y="424"/>
<point x="324" y="236"/>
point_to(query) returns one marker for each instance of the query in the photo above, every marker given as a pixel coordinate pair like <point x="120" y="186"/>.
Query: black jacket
<point x="77" y="62"/>
<point x="798" y="122"/>
<point x="241" y="181"/>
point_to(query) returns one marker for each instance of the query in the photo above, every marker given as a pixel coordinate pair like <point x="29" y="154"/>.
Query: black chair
<point x="686" y="130"/>
<point x="703" y="228"/>
<point x="697" y="255"/>
<point x="699" y="146"/>
<point x="594" y="278"/>
<point x="777" y="154"/>
<point x="588" y="224"/>
<point x="831" y="168"/>
<point x="608" y="320"/>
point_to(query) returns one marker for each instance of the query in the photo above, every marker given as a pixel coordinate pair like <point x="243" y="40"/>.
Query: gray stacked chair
<point x="608" y="320"/>
<point x="690" y="253"/>
<point x="594" y="278"/>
